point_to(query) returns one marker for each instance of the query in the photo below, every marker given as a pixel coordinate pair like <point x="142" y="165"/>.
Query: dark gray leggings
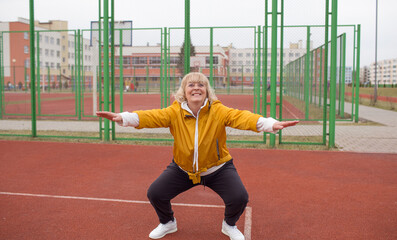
<point x="225" y="182"/>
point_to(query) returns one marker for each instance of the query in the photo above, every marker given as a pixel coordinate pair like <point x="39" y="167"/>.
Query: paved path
<point x="381" y="138"/>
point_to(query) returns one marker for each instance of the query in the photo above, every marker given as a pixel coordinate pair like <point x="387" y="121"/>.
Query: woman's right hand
<point x="115" y="117"/>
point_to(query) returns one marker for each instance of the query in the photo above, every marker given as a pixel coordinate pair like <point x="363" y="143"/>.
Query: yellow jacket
<point x="212" y="120"/>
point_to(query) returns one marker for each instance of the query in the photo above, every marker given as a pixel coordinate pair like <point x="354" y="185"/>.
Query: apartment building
<point x="242" y="62"/>
<point x="364" y="75"/>
<point x="56" y="55"/>
<point x="386" y="72"/>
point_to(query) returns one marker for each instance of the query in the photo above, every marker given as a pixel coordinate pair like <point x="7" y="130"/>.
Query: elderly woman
<point x="198" y="122"/>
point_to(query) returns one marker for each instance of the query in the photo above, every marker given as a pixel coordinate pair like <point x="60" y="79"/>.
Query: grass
<point x="386" y="92"/>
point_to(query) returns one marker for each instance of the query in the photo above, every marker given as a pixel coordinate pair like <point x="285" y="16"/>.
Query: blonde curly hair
<point x="195" y="77"/>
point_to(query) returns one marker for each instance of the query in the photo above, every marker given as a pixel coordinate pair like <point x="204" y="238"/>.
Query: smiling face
<point x="195" y="92"/>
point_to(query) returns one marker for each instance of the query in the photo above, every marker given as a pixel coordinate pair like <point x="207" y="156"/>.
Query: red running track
<point x="293" y="194"/>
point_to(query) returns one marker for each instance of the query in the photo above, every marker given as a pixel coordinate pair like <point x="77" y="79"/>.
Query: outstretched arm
<point x="115" y="117"/>
<point x="284" y="124"/>
<point x="125" y="119"/>
<point x="271" y="125"/>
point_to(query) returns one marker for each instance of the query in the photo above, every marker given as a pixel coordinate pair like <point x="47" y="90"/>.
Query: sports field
<point x="98" y="191"/>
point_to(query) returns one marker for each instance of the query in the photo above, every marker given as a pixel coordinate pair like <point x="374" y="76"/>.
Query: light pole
<point x="13" y="63"/>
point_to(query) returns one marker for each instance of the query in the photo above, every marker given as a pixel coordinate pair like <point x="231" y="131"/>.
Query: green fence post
<point x="307" y="74"/>
<point x="332" y="97"/>
<point x="273" y="69"/>
<point x="280" y="105"/>
<point x="162" y="68"/>
<point x="32" y="69"/>
<point x="112" y="86"/>
<point x="106" y="66"/>
<point x="357" y="90"/>
<point x="325" y="79"/>
<point x="121" y="69"/>
<point x="187" y="37"/>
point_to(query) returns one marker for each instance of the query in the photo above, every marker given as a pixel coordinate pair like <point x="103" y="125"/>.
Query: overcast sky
<point x="170" y="13"/>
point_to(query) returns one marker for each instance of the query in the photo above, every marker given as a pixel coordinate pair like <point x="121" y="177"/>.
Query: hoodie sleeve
<point x="156" y="118"/>
<point x="239" y="119"/>
<point x="129" y="119"/>
<point x="266" y="125"/>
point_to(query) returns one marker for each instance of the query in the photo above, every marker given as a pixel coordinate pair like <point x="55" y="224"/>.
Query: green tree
<point x="181" y="62"/>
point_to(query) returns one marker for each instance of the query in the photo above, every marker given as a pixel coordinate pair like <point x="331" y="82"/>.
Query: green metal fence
<point x="304" y="81"/>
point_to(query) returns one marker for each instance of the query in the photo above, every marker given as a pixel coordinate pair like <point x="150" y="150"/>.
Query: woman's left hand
<point x="284" y="124"/>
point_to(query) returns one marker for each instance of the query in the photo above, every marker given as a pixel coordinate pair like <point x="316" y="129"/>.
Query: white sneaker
<point x="163" y="229"/>
<point x="232" y="231"/>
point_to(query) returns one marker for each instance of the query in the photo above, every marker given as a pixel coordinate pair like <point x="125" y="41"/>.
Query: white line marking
<point x="106" y="199"/>
<point x="248" y="210"/>
<point x="289" y="110"/>
<point x="248" y="223"/>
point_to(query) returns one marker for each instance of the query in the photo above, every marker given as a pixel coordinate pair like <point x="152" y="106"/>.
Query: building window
<point x="52" y="40"/>
<point x="58" y="41"/>
<point x="240" y="54"/>
<point x="174" y="60"/>
<point x="154" y="60"/>
<point x="248" y="54"/>
<point x="47" y="39"/>
<point x="139" y="60"/>
<point x="26" y="35"/>
<point x="58" y="53"/>
<point x="26" y="49"/>
<point x="52" y="53"/>
<point x="46" y="52"/>
<point x="214" y="59"/>
<point x="126" y="60"/>
<point x="234" y="55"/>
